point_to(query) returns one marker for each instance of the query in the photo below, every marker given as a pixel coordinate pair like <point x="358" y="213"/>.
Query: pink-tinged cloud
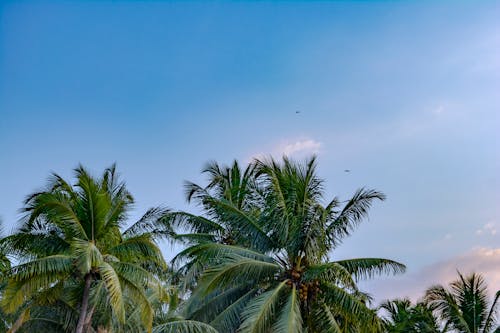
<point x="485" y="261"/>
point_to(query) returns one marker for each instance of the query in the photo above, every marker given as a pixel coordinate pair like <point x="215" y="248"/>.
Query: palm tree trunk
<point x="88" y="319"/>
<point x="85" y="304"/>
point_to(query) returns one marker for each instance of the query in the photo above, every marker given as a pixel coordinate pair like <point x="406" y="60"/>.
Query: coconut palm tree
<point x="403" y="316"/>
<point x="464" y="306"/>
<point x="229" y="202"/>
<point x="73" y="252"/>
<point x="4" y="268"/>
<point x="278" y="275"/>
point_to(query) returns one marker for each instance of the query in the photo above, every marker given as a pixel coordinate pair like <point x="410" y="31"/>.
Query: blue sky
<point x="404" y="94"/>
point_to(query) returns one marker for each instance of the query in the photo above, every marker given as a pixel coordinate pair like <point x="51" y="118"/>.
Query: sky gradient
<point x="406" y="95"/>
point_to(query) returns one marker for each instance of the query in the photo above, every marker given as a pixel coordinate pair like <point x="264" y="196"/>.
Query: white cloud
<point x="308" y="146"/>
<point x="487" y="229"/>
<point x="298" y="148"/>
<point x="485" y="261"/>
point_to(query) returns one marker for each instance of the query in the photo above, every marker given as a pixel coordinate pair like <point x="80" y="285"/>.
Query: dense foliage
<point x="264" y="246"/>
<point x="465" y="307"/>
<point x="259" y="258"/>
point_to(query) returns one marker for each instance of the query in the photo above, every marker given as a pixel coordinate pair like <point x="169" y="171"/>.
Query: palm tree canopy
<point x="71" y="240"/>
<point x="465" y="306"/>
<point x="276" y="272"/>
<point x="403" y="316"/>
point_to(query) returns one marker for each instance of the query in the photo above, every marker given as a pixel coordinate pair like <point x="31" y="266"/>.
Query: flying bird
<point x="297" y="112"/>
<point x="347" y="170"/>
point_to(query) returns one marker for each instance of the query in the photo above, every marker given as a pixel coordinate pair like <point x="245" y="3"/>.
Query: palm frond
<point x="260" y="312"/>
<point x="207" y="307"/>
<point x="346" y="304"/>
<point x="491" y="317"/>
<point x="26" y="279"/>
<point x="150" y="223"/>
<point x="331" y="272"/>
<point x="112" y="282"/>
<point x="445" y="304"/>
<point x="87" y="255"/>
<point x="236" y="269"/>
<point x="33" y="244"/>
<point x="247" y="225"/>
<point x="190" y="223"/>
<point x="135" y="274"/>
<point x="352" y="214"/>
<point x="325" y="321"/>
<point x="138" y="249"/>
<point x="56" y="208"/>
<point x="290" y="319"/>
<point x="184" y="326"/>
<point x="140" y="302"/>
<point x="93" y="205"/>
<point x="230" y="318"/>
<point x="366" y="268"/>
<point x="195" y="238"/>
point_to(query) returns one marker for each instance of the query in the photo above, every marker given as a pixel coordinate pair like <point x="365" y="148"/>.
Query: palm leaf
<point x="352" y="214"/>
<point x="346" y="304"/>
<point x="27" y="279"/>
<point x="236" y="269"/>
<point x="87" y="255"/>
<point x="149" y="223"/>
<point x="55" y="208"/>
<point x="324" y="320"/>
<point x="490" y="319"/>
<point x="112" y="282"/>
<point x="260" y="312"/>
<point x="229" y="319"/>
<point x="290" y="319"/>
<point x="139" y="249"/>
<point x="184" y="326"/>
<point x="366" y="268"/>
<point x="446" y="305"/>
<point x="331" y="272"/>
<point x="206" y="308"/>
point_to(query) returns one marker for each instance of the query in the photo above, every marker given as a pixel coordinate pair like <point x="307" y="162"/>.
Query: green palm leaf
<point x="490" y="318"/>
<point x="87" y="255"/>
<point x="237" y="269"/>
<point x="139" y="249"/>
<point x="112" y="282"/>
<point x="366" y="268"/>
<point x="346" y="304"/>
<point x="331" y="272"/>
<point x="352" y="214"/>
<point x="184" y="326"/>
<point x="290" y="319"/>
<point x="230" y="318"/>
<point x="260" y="312"/>
<point x="324" y="320"/>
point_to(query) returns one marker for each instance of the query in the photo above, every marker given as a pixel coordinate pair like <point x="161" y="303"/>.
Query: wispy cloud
<point x="296" y="148"/>
<point x="413" y="284"/>
<point x="307" y="146"/>
<point x="487" y="229"/>
<point x="439" y="110"/>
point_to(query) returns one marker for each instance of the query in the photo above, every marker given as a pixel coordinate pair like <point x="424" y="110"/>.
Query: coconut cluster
<point x="307" y="289"/>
